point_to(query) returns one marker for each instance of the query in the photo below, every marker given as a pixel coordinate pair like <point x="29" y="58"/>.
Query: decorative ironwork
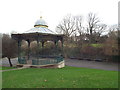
<point x="47" y="61"/>
<point x="22" y="61"/>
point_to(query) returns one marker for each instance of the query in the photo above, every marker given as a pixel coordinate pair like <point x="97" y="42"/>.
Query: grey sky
<point x="20" y="15"/>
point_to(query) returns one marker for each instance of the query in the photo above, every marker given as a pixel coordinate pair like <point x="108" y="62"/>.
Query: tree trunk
<point x="10" y="62"/>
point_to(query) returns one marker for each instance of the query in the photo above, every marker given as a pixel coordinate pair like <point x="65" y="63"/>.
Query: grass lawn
<point x="97" y="45"/>
<point x="5" y="68"/>
<point x="68" y="77"/>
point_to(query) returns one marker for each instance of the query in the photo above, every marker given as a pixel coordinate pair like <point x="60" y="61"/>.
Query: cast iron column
<point x="56" y="44"/>
<point x="38" y="48"/>
<point x="42" y="46"/>
<point x="28" y="49"/>
<point x="19" y="49"/>
<point x="56" y="47"/>
<point x="62" y="46"/>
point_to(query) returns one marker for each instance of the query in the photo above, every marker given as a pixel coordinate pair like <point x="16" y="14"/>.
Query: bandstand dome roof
<point x="41" y="22"/>
<point x="41" y="27"/>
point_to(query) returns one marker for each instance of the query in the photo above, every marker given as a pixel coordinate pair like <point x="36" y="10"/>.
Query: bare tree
<point x="92" y="22"/>
<point x="9" y="48"/>
<point x="67" y="26"/>
<point x="114" y="27"/>
<point x="79" y="27"/>
<point x="100" y="29"/>
<point x="93" y="27"/>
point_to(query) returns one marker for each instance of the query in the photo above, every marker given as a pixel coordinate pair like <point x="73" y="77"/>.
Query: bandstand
<point x="41" y="34"/>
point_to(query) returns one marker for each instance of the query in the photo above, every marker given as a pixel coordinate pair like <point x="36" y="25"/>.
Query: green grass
<point x="5" y="68"/>
<point x="97" y="45"/>
<point x="68" y="77"/>
<point x="0" y="68"/>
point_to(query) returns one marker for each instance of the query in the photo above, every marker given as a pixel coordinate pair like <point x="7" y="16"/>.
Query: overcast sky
<point x="20" y="15"/>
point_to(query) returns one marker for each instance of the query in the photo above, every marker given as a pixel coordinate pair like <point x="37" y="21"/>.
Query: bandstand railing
<point x="42" y="61"/>
<point x="22" y="61"/>
<point x="46" y="61"/>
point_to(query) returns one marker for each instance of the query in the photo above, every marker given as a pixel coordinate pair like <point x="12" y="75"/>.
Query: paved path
<point x="92" y="64"/>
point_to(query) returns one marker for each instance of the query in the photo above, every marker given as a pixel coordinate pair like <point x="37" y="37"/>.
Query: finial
<point x="40" y="16"/>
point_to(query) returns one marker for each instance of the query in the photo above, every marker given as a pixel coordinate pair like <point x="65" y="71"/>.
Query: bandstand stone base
<point x="58" y="65"/>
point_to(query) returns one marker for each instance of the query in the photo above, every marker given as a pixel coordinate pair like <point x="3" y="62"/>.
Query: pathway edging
<point x="13" y="69"/>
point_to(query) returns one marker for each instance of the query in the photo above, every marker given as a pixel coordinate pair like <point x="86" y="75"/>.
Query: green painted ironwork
<point x="47" y="61"/>
<point x="59" y="59"/>
<point x="22" y="61"/>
